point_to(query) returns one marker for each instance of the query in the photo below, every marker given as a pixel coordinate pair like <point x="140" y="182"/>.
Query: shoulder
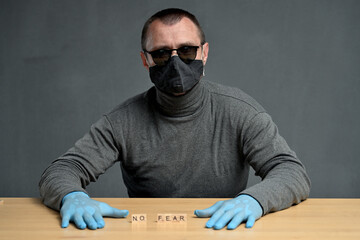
<point x="232" y="95"/>
<point x="131" y="107"/>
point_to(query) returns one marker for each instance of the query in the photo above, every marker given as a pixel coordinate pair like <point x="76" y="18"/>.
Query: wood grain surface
<point x="28" y="218"/>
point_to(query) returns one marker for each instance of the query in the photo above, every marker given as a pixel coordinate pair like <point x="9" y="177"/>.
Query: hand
<point x="79" y="208"/>
<point x="243" y="208"/>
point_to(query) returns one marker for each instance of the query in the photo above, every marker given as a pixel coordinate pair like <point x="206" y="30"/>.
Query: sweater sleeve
<point x="284" y="178"/>
<point x="80" y="165"/>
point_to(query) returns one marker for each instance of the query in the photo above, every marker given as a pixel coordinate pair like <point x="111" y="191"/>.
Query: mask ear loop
<point x="202" y="49"/>
<point x="146" y="57"/>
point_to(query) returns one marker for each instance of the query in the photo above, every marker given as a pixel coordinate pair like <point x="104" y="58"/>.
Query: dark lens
<point x="160" y="56"/>
<point x="187" y="53"/>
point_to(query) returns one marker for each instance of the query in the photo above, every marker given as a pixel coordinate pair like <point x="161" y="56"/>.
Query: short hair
<point x="170" y="16"/>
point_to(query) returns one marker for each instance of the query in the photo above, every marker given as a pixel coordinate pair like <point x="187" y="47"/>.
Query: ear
<point x="144" y="60"/>
<point x="205" y="52"/>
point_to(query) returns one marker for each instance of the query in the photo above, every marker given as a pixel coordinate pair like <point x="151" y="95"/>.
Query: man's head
<point x="174" y="50"/>
<point x="171" y="29"/>
<point x="169" y="17"/>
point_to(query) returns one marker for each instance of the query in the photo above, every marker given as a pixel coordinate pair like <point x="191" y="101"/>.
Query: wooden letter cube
<point x="138" y="218"/>
<point x="171" y="218"/>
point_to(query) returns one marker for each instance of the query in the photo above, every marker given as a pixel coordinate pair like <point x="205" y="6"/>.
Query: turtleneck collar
<point x="183" y="105"/>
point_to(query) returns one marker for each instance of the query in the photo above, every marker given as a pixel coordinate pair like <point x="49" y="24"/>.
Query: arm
<point x="284" y="180"/>
<point x="91" y="156"/>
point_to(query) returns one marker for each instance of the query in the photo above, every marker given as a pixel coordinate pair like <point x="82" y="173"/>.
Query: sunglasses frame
<point x="168" y="52"/>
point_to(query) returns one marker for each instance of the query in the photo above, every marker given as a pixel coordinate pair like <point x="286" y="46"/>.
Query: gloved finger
<point x="224" y="219"/>
<point x="215" y="217"/>
<point x="90" y="221"/>
<point x="99" y="220"/>
<point x="208" y="212"/>
<point x="65" y="220"/>
<point x="236" y="221"/>
<point x="108" y="211"/>
<point x="79" y="221"/>
<point x="117" y="213"/>
<point x="250" y="221"/>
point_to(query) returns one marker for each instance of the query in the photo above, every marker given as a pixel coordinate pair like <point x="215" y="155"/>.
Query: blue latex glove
<point x="232" y="213"/>
<point x="80" y="209"/>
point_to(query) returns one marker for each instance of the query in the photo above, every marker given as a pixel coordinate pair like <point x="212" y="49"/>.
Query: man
<point x="185" y="137"/>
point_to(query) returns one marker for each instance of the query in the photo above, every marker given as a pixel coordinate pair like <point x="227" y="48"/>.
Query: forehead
<point x="161" y="35"/>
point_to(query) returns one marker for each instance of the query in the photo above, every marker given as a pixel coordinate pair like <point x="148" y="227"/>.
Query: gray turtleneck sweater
<point x="200" y="144"/>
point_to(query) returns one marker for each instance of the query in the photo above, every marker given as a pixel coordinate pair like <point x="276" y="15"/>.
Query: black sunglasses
<point x="185" y="53"/>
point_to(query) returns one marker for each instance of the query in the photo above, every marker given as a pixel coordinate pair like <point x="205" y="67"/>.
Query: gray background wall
<point x="65" y="63"/>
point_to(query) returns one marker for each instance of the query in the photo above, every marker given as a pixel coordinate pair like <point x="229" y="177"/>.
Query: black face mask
<point x="176" y="76"/>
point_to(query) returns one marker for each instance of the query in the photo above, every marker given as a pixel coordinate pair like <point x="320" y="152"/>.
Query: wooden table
<point x="28" y="218"/>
